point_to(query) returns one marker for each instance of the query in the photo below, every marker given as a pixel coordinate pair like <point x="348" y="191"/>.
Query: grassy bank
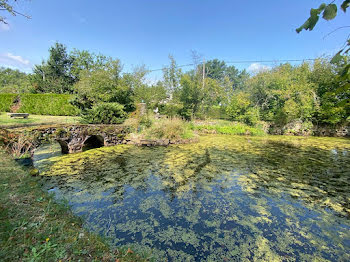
<point x="6" y="121"/>
<point x="226" y="128"/>
<point x="34" y="227"/>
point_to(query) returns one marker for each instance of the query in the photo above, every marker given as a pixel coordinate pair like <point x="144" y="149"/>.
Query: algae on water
<point x="225" y="198"/>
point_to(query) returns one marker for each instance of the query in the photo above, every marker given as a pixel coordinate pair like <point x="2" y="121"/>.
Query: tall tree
<point x="172" y="76"/>
<point x="54" y="75"/>
<point x="104" y="86"/>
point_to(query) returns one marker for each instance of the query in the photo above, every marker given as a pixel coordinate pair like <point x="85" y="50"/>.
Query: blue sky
<point x="146" y="31"/>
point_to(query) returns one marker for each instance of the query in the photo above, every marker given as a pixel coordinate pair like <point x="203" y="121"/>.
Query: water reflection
<point x="225" y="198"/>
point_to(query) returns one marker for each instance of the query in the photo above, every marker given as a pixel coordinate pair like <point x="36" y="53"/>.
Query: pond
<point x="226" y="198"/>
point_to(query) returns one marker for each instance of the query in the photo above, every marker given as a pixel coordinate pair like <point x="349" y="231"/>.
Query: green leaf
<point x="342" y="89"/>
<point x="330" y="12"/>
<point x="311" y="22"/>
<point x="337" y="57"/>
<point x="345" y="5"/>
<point x="345" y="74"/>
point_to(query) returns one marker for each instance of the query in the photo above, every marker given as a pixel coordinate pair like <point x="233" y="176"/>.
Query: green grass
<point x="34" y="227"/>
<point x="227" y="128"/>
<point x="6" y="121"/>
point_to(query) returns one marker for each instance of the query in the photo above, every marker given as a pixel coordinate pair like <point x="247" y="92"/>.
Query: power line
<point x="245" y="62"/>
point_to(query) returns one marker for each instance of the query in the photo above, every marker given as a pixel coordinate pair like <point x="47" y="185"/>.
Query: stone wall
<point x="307" y="129"/>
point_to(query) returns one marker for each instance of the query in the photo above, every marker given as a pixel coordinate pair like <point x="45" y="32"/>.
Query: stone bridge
<point x="77" y="138"/>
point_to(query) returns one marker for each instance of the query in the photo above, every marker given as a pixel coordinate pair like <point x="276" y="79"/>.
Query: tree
<point x="284" y="94"/>
<point x="83" y="60"/>
<point x="330" y="110"/>
<point x="13" y="81"/>
<point x="191" y="94"/>
<point x="218" y="70"/>
<point x="329" y="12"/>
<point x="238" y="106"/>
<point x="215" y="69"/>
<point x="54" y="75"/>
<point x="6" y="6"/>
<point x="172" y="76"/>
<point x="104" y="85"/>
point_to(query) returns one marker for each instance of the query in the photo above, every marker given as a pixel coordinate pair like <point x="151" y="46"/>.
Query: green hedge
<point x="41" y="104"/>
<point x="6" y="101"/>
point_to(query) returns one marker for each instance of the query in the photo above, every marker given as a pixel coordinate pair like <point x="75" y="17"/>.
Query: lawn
<point x="6" y="121"/>
<point x="34" y="227"/>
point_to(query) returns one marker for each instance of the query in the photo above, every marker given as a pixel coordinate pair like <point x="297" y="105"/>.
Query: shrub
<point x="171" y="110"/>
<point x="251" y="116"/>
<point x="105" y="113"/>
<point x="170" y="129"/>
<point x="217" y="112"/>
<point x="146" y="121"/>
<point x="186" y="113"/>
<point x="6" y="101"/>
<point x="47" y="104"/>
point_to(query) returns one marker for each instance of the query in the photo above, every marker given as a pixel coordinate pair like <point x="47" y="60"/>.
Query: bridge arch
<point x="64" y="146"/>
<point x="94" y="141"/>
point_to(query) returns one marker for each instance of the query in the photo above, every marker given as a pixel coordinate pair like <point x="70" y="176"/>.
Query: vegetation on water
<point x="35" y="227"/>
<point x="268" y="198"/>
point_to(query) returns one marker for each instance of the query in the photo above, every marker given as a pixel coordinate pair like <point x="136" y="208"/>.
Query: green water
<point x="226" y="198"/>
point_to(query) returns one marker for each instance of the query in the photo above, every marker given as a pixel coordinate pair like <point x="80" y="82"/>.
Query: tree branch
<point x="26" y="16"/>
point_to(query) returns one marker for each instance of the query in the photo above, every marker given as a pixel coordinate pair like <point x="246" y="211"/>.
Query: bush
<point x="171" y="110"/>
<point x="217" y="112"/>
<point x="146" y="121"/>
<point x="251" y="116"/>
<point x="186" y="113"/>
<point x="6" y="101"/>
<point x="173" y="129"/>
<point x="47" y="104"/>
<point x="105" y="113"/>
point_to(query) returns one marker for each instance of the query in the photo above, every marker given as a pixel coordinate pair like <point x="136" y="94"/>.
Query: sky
<point x="147" y="31"/>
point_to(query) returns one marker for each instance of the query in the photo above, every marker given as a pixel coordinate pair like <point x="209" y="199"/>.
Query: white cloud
<point x="257" y="68"/>
<point x="4" y="27"/>
<point x="15" y="61"/>
<point x="18" y="59"/>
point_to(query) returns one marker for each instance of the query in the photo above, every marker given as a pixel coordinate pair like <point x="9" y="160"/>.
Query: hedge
<point x="41" y="104"/>
<point x="6" y="101"/>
